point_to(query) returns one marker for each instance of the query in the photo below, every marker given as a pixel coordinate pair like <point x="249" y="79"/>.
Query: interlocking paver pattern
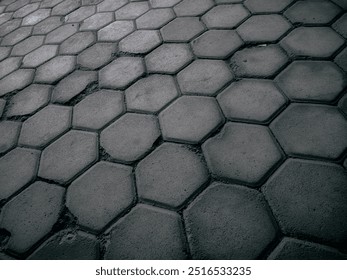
<point x="173" y="129"/>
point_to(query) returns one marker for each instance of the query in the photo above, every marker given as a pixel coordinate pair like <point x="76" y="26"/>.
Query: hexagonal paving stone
<point x="55" y="69"/>
<point x="204" y="77"/>
<point x="182" y="29"/>
<point x="340" y="25"/>
<point x="36" y="17"/>
<point x="60" y="34"/>
<point x="97" y="21"/>
<point x="45" y="125"/>
<point x="73" y="85"/>
<point x="29" y="100"/>
<point x="110" y="5"/>
<point x="80" y="14"/>
<point x="16" y="5"/>
<point x="294" y="249"/>
<point x="121" y="72"/>
<point x="243" y="152"/>
<point x="2" y="106"/>
<point x="170" y="175"/>
<point x="160" y="236"/>
<point x="225" y="16"/>
<point x="190" y="119"/>
<point x="168" y="58"/>
<point x="261" y="6"/>
<point x="311" y="130"/>
<point x="251" y="99"/>
<point x="65" y="7"/>
<point x="312" y="41"/>
<point x="97" y="109"/>
<point x="151" y="94"/>
<point x="116" y="30"/>
<point x="16" y="36"/>
<point x="228" y="222"/>
<point x="132" y="10"/>
<point x="27" y="45"/>
<point x="4" y="52"/>
<point x="9" y="65"/>
<point x="39" y="56"/>
<point x="141" y="41"/>
<point x="308" y="199"/>
<point x="312" y="80"/>
<point x="259" y="61"/>
<point x="312" y="12"/>
<point x="67" y="245"/>
<point x="47" y="25"/>
<point x="163" y="3"/>
<point x="155" y="18"/>
<point x="341" y="59"/>
<point x="9" y="26"/>
<point x="9" y="132"/>
<point x="263" y="28"/>
<point x="32" y="214"/>
<point x="193" y="7"/>
<point x="77" y="43"/>
<point x="100" y="194"/>
<point x="69" y="155"/>
<point x="217" y="44"/>
<point x="4" y="17"/>
<point x="96" y="56"/>
<point x="130" y="137"/>
<point x="50" y="3"/>
<point x="343" y="104"/>
<point x="341" y="3"/>
<point x="24" y="11"/>
<point x="16" y="80"/>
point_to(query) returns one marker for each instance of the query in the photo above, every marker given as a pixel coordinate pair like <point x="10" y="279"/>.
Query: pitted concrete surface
<point x="173" y="129"/>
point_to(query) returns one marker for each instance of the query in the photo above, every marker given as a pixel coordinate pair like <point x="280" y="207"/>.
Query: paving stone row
<point x="173" y="129"/>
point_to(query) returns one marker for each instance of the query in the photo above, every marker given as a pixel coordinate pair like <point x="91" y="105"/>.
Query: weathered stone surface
<point x="2" y="106"/>
<point x="65" y="7"/>
<point x="163" y="3"/>
<point x="9" y="132"/>
<point x="182" y="29"/>
<point x="40" y="55"/>
<point x="77" y="43"/>
<point x="341" y="59"/>
<point x="58" y="35"/>
<point x="9" y="65"/>
<point x="116" y="30"/>
<point x="141" y="41"/>
<point x="340" y="25"/>
<point x="47" y="25"/>
<point x="27" y="45"/>
<point x="155" y="18"/>
<point x="16" y="36"/>
<point x="110" y="5"/>
<point x="36" y="17"/>
<point x="4" y="52"/>
<point x="193" y="7"/>
<point x="97" y="21"/>
<point x="16" y="80"/>
<point x="261" y="6"/>
<point x="9" y="26"/>
<point x="80" y="14"/>
<point x="132" y="10"/>
<point x="96" y="56"/>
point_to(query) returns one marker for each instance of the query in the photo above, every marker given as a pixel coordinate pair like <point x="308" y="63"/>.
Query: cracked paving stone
<point x="110" y="5"/>
<point x="32" y="214"/>
<point x="170" y="175"/>
<point x="2" y="106"/>
<point x="294" y="249"/>
<point x="263" y="28"/>
<point x="29" y="100"/>
<point x="55" y="69"/>
<point x="155" y="18"/>
<point x="132" y="10"/>
<point x="160" y="236"/>
<point x="40" y="56"/>
<point x="190" y="119"/>
<point x="26" y="10"/>
<point x="16" y="36"/>
<point x="340" y="25"/>
<point x="36" y="17"/>
<point x="68" y="156"/>
<point x="312" y="12"/>
<point x="264" y="6"/>
<point x="229" y="222"/>
<point x="9" y="132"/>
<point x="9" y="26"/>
<point x="9" y="65"/>
<point x="80" y="14"/>
<point x="116" y="31"/>
<point x="73" y="85"/>
<point x="311" y="130"/>
<point x="225" y="16"/>
<point x="141" y="41"/>
<point x="27" y="45"/>
<point x="204" y="77"/>
<point x="4" y="52"/>
<point x="243" y="152"/>
<point x="121" y="72"/>
<point x="312" y="41"/>
<point x="312" y="80"/>
<point x="193" y="7"/>
<point x="97" y="109"/>
<point x="97" y="21"/>
<point x="47" y="25"/>
<point x="16" y="80"/>
<point x="259" y="61"/>
<point x="67" y="245"/>
<point x="65" y="7"/>
<point x="151" y="94"/>
<point x="46" y="125"/>
<point x="251" y="99"/>
<point x="101" y="194"/>
<point x="96" y="56"/>
<point x="168" y="58"/>
<point x="216" y="44"/>
<point x="17" y="168"/>
<point x="163" y="3"/>
<point x="307" y="198"/>
<point x="77" y="43"/>
<point x="60" y="34"/>
<point x="130" y="137"/>
<point x="182" y="29"/>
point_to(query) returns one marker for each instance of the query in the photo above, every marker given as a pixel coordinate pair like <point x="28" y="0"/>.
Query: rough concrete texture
<point x="173" y="129"/>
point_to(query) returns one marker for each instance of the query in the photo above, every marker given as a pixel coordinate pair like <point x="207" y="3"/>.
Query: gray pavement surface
<point x="173" y="129"/>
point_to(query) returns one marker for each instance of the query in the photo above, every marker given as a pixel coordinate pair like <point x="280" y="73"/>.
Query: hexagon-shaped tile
<point x="140" y="41"/>
<point x="263" y="6"/>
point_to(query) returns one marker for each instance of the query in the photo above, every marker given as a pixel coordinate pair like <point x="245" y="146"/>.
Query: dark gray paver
<point x="16" y="80"/>
<point x="163" y="3"/>
<point x="140" y="41"/>
<point x="170" y="174"/>
<point x="77" y="43"/>
<point x="311" y="130"/>
<point x="193" y="7"/>
<point x="40" y="55"/>
<point x="343" y="104"/>
<point x="260" y="6"/>
<point x="341" y="3"/>
<point x="130" y="137"/>
<point x="243" y="152"/>
<point x="2" y="106"/>
<point x="9" y="132"/>
<point x="251" y="99"/>
<point x="31" y="214"/>
<point x="116" y="30"/>
<point x="308" y="199"/>
<point x="69" y="155"/>
<point x="243" y="227"/>
<point x="97" y="21"/>
<point x="47" y="25"/>
<point x="340" y="25"/>
<point x="154" y="19"/>
<point x="100" y="194"/>
<point x="182" y="29"/>
<point x="160" y="236"/>
<point x="96" y="56"/>
<point x="190" y="119"/>
<point x="132" y="10"/>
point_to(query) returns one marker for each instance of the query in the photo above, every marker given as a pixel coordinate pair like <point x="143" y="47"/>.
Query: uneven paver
<point x="9" y="131"/>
